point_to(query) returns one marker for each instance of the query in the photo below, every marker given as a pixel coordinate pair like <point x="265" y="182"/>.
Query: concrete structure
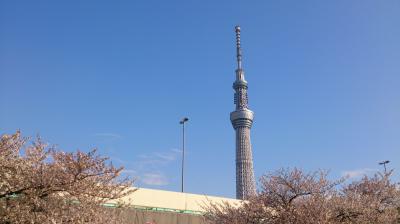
<point x="173" y="201"/>
<point x="242" y="120"/>
<point x="150" y="206"/>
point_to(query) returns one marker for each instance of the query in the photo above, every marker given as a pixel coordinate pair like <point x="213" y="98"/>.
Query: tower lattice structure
<point x="242" y="120"/>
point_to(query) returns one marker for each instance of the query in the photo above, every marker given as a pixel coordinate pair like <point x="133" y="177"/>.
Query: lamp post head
<point x="384" y="162"/>
<point x="185" y="119"/>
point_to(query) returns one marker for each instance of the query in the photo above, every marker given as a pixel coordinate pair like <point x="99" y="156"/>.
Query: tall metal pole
<point x="182" y="122"/>
<point x="183" y="153"/>
<point x="384" y="164"/>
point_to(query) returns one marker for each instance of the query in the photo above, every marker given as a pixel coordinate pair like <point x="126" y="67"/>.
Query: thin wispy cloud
<point x="358" y="173"/>
<point x="176" y="150"/>
<point x="165" y="156"/>
<point x="157" y="159"/>
<point x="154" y="179"/>
<point x="149" y="166"/>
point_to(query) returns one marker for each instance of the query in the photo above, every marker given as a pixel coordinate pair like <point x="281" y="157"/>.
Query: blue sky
<point x="323" y="77"/>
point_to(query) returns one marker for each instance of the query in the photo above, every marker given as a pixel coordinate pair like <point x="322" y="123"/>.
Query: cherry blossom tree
<point x="40" y="184"/>
<point x="294" y="196"/>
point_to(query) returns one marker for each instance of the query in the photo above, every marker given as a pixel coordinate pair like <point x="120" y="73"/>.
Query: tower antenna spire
<point x="238" y="49"/>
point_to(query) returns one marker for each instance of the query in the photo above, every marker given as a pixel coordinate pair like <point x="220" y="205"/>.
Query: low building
<point x="151" y="206"/>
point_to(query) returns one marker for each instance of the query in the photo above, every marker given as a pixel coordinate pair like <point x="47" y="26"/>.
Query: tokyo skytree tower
<point x="242" y="120"/>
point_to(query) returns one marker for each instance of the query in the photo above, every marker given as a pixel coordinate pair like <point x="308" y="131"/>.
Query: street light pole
<point x="182" y="122"/>
<point x="384" y="164"/>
